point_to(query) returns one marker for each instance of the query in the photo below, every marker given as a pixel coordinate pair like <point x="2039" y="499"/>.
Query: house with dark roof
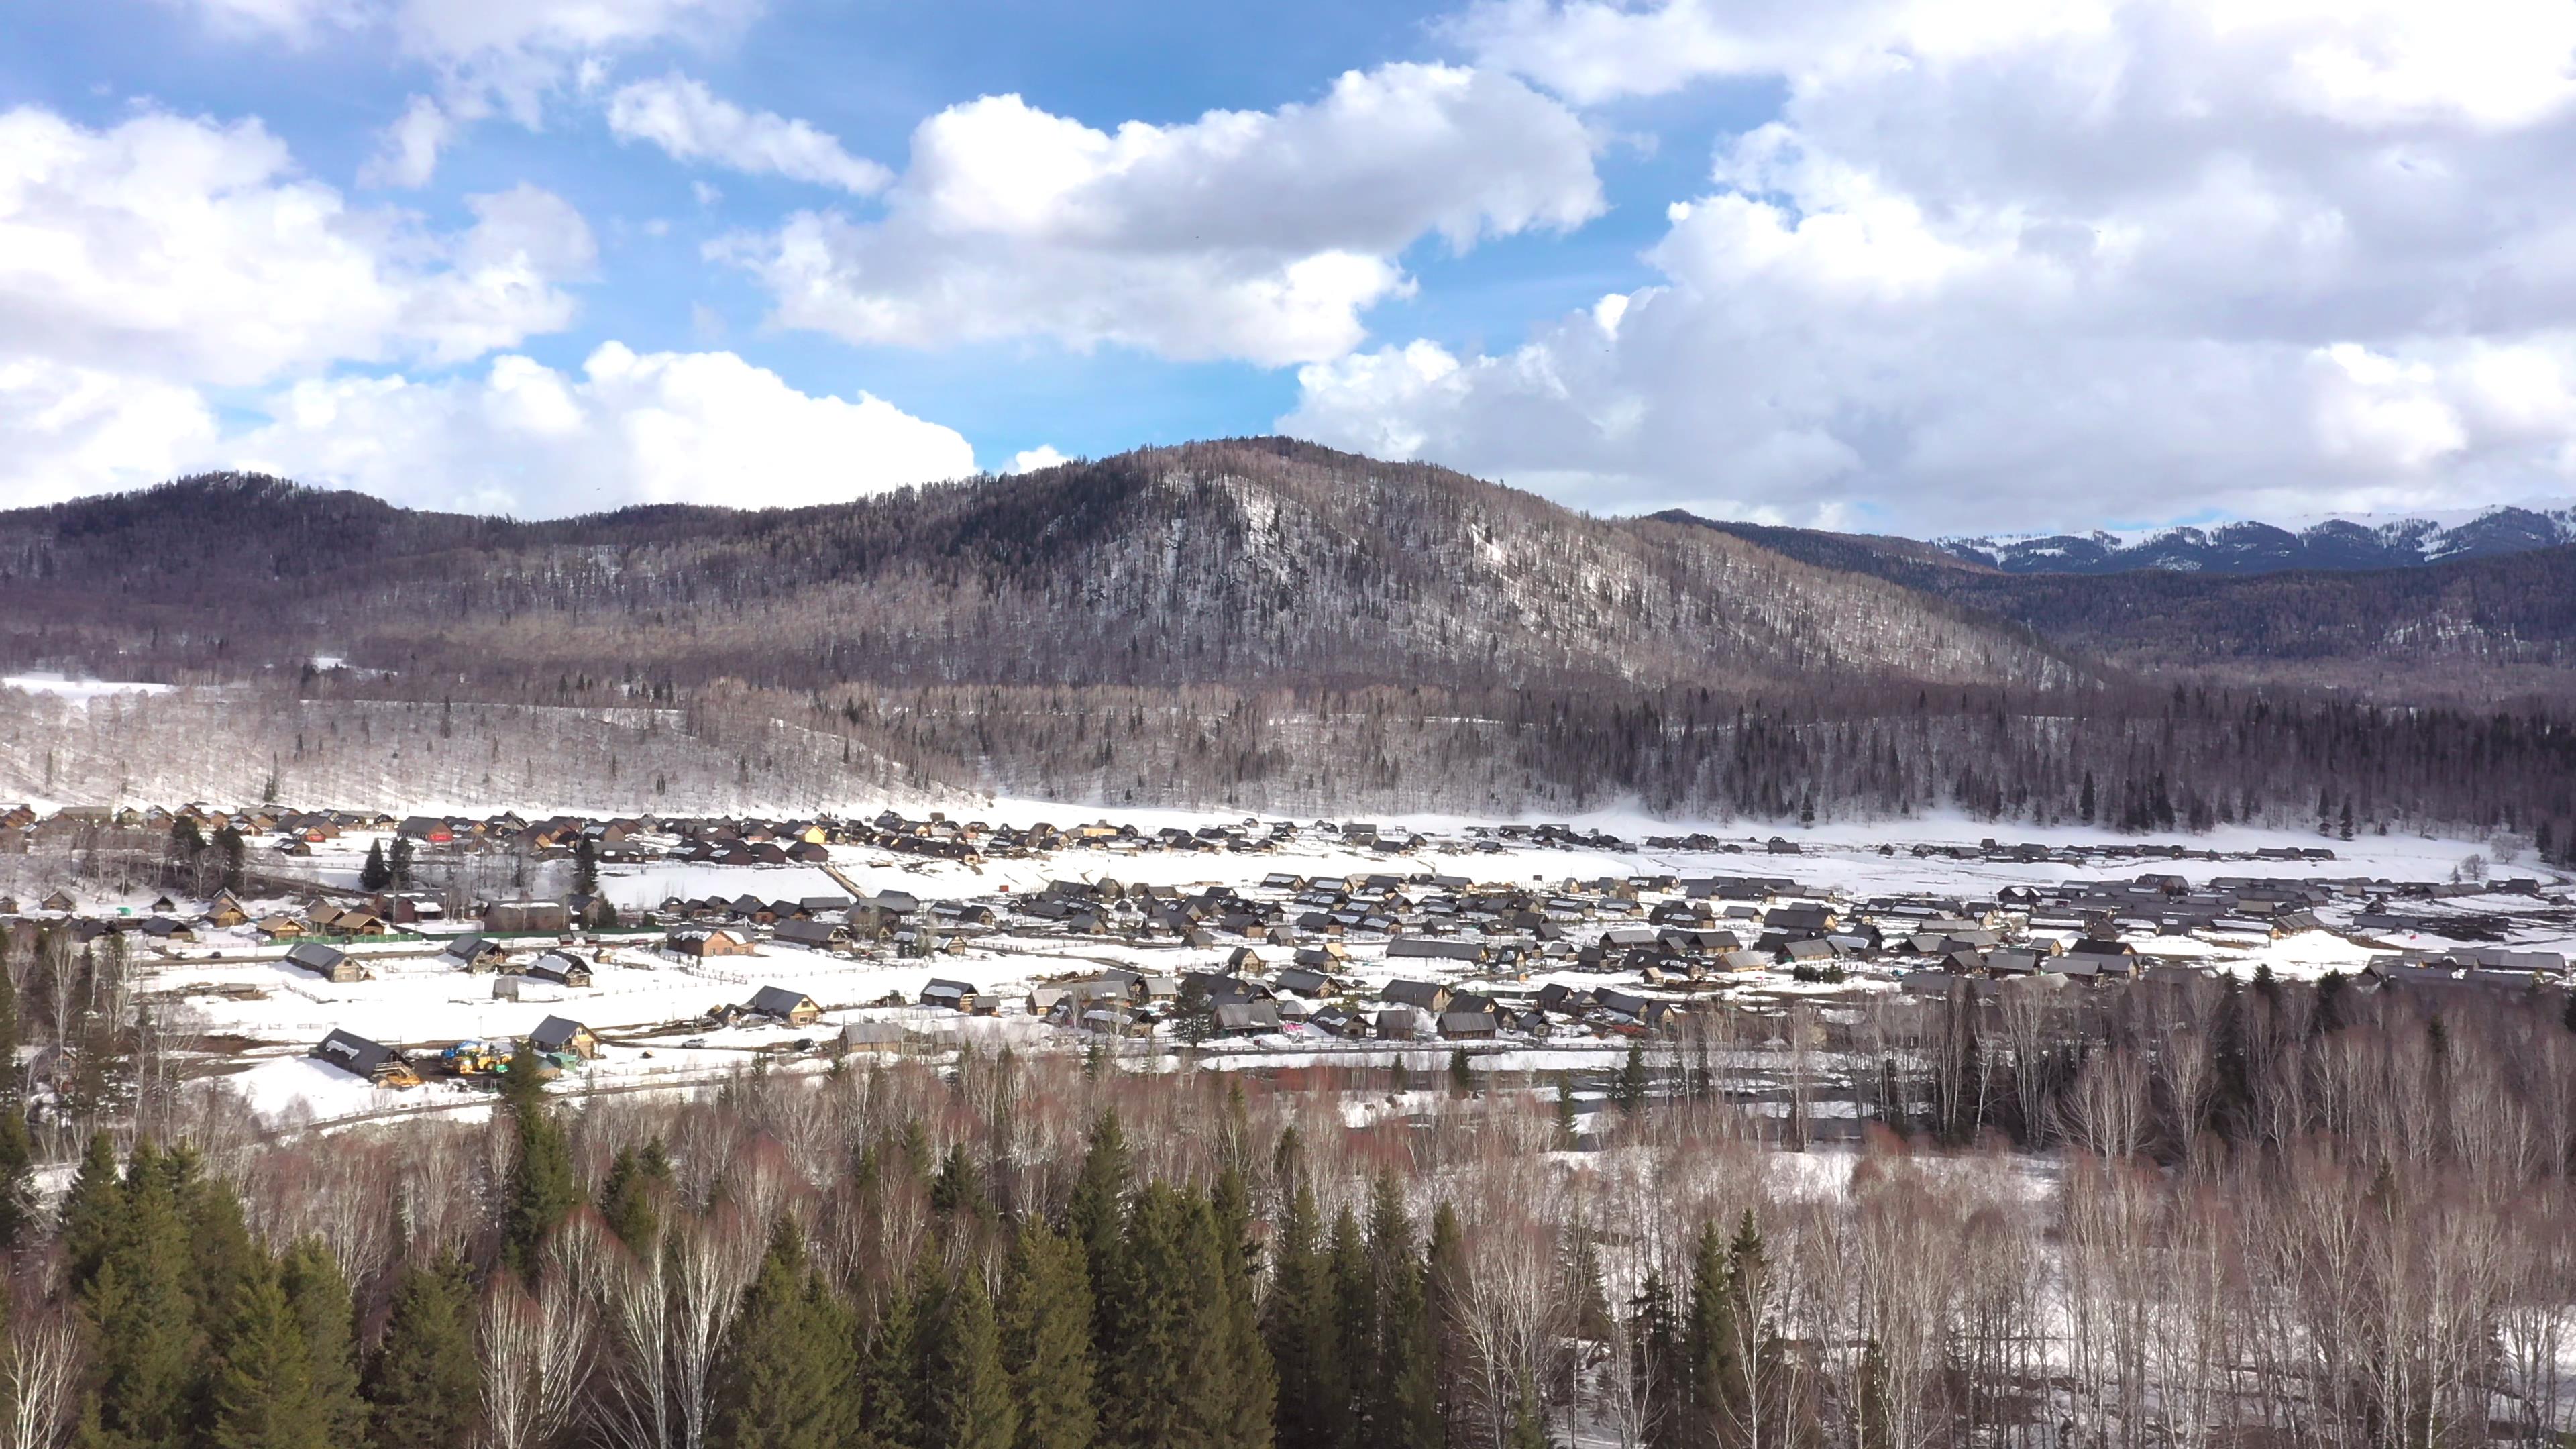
<point x="327" y="962"/>
<point x="780" y="1004"/>
<point x="370" y="1060"/>
<point x="563" y="1034"/>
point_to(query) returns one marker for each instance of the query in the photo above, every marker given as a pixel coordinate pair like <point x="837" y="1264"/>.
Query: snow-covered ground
<point x="231" y="989"/>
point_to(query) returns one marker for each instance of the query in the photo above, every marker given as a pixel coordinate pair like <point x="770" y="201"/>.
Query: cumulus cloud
<point x="692" y="123"/>
<point x="1029" y="460"/>
<point x="1258" y="235"/>
<point x="2047" y="264"/>
<point x="407" y="151"/>
<point x="661" y="427"/>
<point x="192" y="251"/>
<point x="76" y="430"/>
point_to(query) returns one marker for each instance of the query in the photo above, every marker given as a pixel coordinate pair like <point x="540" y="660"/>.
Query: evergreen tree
<point x="958" y="1189"/>
<point x="1629" y="1093"/>
<point x="971" y="1388"/>
<point x="324" y="1319"/>
<point x="1098" y="1215"/>
<point x="787" y="1373"/>
<point x="17" y="1151"/>
<point x="1402" y="1410"/>
<point x="1353" y="1280"/>
<point x="1445" y="1289"/>
<point x="1748" y="1299"/>
<point x="2333" y="994"/>
<point x="891" y="1373"/>
<point x="263" y="1392"/>
<point x="585" y="867"/>
<point x="228" y="849"/>
<point x="1298" y="1323"/>
<point x="543" y="1189"/>
<point x="1462" y="1074"/>
<point x="375" y="875"/>
<point x="424" y="1384"/>
<point x="399" y="863"/>
<point x="148" y="1353"/>
<point x="221" y="1254"/>
<point x="2085" y="805"/>
<point x="632" y="1197"/>
<point x="1568" y="1128"/>
<point x="90" y="1212"/>
<point x="1165" y="1377"/>
<point x="1248" y="1382"/>
<point x="1658" y="1339"/>
<point x="1709" y="1378"/>
<point x="1046" y="1340"/>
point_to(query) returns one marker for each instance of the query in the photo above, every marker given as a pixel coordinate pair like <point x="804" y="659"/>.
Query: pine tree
<point x="1249" y="1380"/>
<point x="971" y="1389"/>
<point x="585" y="867"/>
<point x="149" y="1356"/>
<point x="17" y="1151"/>
<point x="1402" y="1410"/>
<point x="1353" y="1282"/>
<point x="319" y="1296"/>
<point x="1709" y="1377"/>
<point x="787" y="1373"/>
<point x="263" y="1392"/>
<point x="221" y="1254"/>
<point x="228" y="847"/>
<point x="1046" y="1341"/>
<point x="890" y="1374"/>
<point x="1629" y="1093"/>
<point x="958" y="1189"/>
<point x="1298" y="1323"/>
<point x="1748" y="1298"/>
<point x="90" y="1212"/>
<point x="632" y="1198"/>
<point x="423" y="1386"/>
<point x="1659" y="1362"/>
<point x="543" y="1189"/>
<point x="1445" y="1288"/>
<point x="1166" y="1378"/>
<point x="375" y="875"/>
<point x="1097" y="1220"/>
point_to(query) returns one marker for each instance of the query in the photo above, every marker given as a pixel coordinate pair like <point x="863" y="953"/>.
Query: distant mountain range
<point x="2259" y="548"/>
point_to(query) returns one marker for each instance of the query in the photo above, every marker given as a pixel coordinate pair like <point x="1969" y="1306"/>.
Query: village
<point x="340" y="965"/>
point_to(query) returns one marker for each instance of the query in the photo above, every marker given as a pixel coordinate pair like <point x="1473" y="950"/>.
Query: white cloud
<point x="663" y="427"/>
<point x="1259" y="235"/>
<point x="692" y="123"/>
<point x="2042" y="263"/>
<point x="1029" y="460"/>
<point x="74" y="430"/>
<point x="407" y="151"/>
<point x="191" y="251"/>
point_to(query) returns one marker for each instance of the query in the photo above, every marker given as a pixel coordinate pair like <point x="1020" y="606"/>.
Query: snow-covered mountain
<point x="2363" y="542"/>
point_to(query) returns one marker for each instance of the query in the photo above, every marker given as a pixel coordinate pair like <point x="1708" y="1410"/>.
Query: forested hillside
<point x="1232" y="562"/>
<point x="1256" y="624"/>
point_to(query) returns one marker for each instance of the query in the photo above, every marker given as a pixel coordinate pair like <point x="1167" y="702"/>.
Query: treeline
<point x="2299" y="1217"/>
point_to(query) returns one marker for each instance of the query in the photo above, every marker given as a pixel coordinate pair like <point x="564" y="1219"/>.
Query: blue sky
<point x="1867" y="263"/>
